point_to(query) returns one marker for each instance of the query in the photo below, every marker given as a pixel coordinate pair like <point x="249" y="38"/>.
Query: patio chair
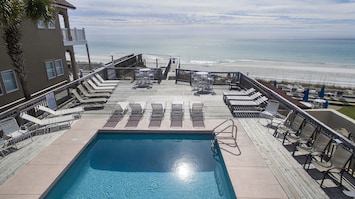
<point x="98" y="83"/>
<point x="120" y="108"/>
<point x="104" y="81"/>
<point x="92" y="90"/>
<point x="12" y="131"/>
<point x="336" y="164"/>
<point x="96" y="87"/>
<point x="235" y="82"/>
<point x="316" y="149"/>
<point x="278" y="121"/>
<point x="270" y="110"/>
<point x="47" y="123"/>
<point x="293" y="128"/>
<point x="77" y="110"/>
<point x="87" y="101"/>
<point x="158" y="109"/>
<point x="87" y="94"/>
<point x="302" y="138"/>
<point x="137" y="108"/>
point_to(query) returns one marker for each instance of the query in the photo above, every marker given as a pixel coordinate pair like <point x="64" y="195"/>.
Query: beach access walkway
<point x="259" y="167"/>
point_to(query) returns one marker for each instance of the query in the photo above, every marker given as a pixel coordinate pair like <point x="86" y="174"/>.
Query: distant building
<point x="47" y="46"/>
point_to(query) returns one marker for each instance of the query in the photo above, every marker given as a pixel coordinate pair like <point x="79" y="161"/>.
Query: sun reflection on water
<point x="184" y="169"/>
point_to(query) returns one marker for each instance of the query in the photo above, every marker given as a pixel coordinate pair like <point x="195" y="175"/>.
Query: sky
<point x="264" y="19"/>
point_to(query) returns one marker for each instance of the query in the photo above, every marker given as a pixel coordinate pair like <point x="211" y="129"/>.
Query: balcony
<point x="74" y="36"/>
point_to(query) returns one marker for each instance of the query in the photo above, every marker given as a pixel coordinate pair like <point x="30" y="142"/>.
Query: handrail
<point x="223" y="123"/>
<point x="233" y="132"/>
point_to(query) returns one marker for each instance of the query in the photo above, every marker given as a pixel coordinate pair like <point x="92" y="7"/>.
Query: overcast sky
<point x="239" y="18"/>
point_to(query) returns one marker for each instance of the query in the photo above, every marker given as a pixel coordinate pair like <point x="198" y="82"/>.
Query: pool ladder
<point x="226" y="133"/>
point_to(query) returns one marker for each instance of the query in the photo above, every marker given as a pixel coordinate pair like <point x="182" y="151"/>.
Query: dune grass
<point x="348" y="111"/>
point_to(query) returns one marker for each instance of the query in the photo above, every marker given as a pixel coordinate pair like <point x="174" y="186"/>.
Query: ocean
<point x="318" y="61"/>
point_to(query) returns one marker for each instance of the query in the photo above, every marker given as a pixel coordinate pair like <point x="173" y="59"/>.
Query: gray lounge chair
<point x="336" y="163"/>
<point x="158" y="109"/>
<point x="87" y="94"/>
<point x="177" y="113"/>
<point x="92" y="90"/>
<point x="137" y="108"/>
<point x="196" y="110"/>
<point x="12" y="130"/>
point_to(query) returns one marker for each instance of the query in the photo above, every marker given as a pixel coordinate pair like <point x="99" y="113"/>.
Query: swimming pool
<point x="141" y="165"/>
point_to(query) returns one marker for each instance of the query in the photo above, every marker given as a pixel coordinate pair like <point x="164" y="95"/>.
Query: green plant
<point x="348" y="111"/>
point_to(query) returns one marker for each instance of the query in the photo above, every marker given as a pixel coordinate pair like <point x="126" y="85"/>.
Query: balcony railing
<point x="73" y="36"/>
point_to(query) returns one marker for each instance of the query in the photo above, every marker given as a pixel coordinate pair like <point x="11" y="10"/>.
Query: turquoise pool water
<point x="116" y="165"/>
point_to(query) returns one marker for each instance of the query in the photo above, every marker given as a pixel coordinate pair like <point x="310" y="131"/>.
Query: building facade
<point x="48" y="53"/>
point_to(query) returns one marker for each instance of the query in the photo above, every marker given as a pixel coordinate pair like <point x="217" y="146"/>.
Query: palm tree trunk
<point x="13" y="39"/>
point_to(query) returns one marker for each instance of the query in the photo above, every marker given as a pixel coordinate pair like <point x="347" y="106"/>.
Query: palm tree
<point x="12" y="14"/>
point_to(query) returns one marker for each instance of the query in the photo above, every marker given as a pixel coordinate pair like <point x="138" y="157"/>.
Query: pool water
<point x="146" y="166"/>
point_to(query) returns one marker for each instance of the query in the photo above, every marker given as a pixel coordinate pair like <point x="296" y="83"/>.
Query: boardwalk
<point x="260" y="167"/>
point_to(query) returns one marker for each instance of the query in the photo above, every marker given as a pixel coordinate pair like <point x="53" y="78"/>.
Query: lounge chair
<point x="92" y="90"/>
<point x="137" y="108"/>
<point x="316" y="149"/>
<point x="239" y="93"/>
<point x="98" y="83"/>
<point x="234" y="104"/>
<point x="158" y="109"/>
<point x="177" y="113"/>
<point x="87" y="101"/>
<point x="336" y="163"/>
<point x="96" y="87"/>
<point x="234" y="83"/>
<point x="120" y="108"/>
<point x="47" y="123"/>
<point x="11" y="130"/>
<point x="270" y="110"/>
<point x="243" y="97"/>
<point x="196" y="110"/>
<point x="104" y="81"/>
<point x="77" y="110"/>
<point x="87" y="94"/>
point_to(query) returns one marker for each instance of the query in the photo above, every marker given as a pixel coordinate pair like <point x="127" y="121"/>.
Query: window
<point x="10" y="81"/>
<point x="41" y="24"/>
<point x="51" y="25"/>
<point x="50" y="70"/>
<point x="59" y="67"/>
<point x="1" y="93"/>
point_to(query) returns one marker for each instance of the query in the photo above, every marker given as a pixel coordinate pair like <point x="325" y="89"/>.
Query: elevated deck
<point x="259" y="167"/>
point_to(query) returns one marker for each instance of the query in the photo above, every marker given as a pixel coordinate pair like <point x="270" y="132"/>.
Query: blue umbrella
<point x="321" y="92"/>
<point x="275" y="83"/>
<point x="306" y="94"/>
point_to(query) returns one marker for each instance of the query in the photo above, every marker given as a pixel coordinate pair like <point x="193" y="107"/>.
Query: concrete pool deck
<point x="260" y="167"/>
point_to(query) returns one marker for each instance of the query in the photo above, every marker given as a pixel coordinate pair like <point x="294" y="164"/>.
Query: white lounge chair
<point x="92" y="90"/>
<point x="87" y="101"/>
<point x="97" y="82"/>
<point x="270" y="110"/>
<point x="47" y="123"/>
<point x="12" y="130"/>
<point x="239" y="93"/>
<point x="87" y="94"/>
<point x="96" y="87"/>
<point x="243" y="97"/>
<point x="77" y="110"/>
<point x="104" y="81"/>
